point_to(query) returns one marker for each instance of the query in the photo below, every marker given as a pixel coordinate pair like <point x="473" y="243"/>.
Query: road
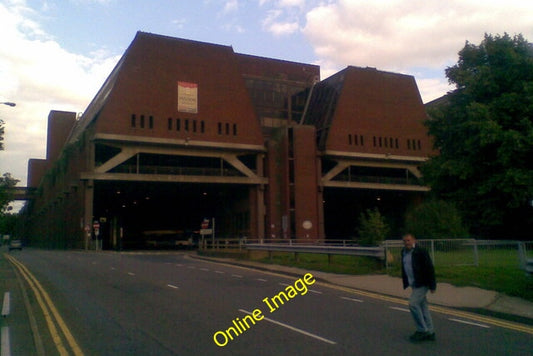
<point x="173" y="304"/>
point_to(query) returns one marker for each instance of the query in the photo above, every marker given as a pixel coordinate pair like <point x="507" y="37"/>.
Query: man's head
<point x="409" y="241"/>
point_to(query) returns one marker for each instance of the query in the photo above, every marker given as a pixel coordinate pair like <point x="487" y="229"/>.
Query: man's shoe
<point x="418" y="336"/>
<point x="430" y="336"/>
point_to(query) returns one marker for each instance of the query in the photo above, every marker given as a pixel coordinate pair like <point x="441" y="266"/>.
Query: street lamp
<point x="8" y="103"/>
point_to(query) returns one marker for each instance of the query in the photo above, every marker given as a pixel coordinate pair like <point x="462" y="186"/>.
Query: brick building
<point x="183" y="130"/>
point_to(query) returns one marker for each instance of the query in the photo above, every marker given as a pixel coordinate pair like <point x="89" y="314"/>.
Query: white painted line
<point x="315" y="291"/>
<point x="172" y="286"/>
<point x="204" y="269"/>
<point x="400" y="309"/>
<point x="262" y="280"/>
<point x="178" y="265"/>
<point x="6" y="304"/>
<point x="284" y="284"/>
<point x="5" y="349"/>
<point x="220" y="272"/>
<point x="131" y="273"/>
<point x="470" y="323"/>
<point x="293" y="328"/>
<point x="352" y="299"/>
<point x="236" y="275"/>
<point x="191" y="267"/>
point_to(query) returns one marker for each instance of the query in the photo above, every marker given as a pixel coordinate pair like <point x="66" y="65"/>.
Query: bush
<point x="435" y="219"/>
<point x="372" y="228"/>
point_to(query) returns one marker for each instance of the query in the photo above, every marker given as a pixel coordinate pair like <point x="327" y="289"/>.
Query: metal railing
<point x="467" y="252"/>
<point x="331" y="247"/>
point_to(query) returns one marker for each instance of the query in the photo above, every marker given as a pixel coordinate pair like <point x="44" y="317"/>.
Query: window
<point x="234" y="129"/>
<point x="170" y="123"/>
<point x="133" y="119"/>
<point x="220" y="128"/>
<point x="142" y="122"/>
<point x="151" y="122"/>
<point x="202" y="126"/>
<point x="349" y="139"/>
<point x="178" y="124"/>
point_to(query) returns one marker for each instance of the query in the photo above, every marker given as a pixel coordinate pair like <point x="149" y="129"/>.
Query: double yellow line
<point x="50" y="313"/>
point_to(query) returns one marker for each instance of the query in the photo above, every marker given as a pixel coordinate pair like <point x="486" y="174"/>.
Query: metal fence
<point x="467" y="252"/>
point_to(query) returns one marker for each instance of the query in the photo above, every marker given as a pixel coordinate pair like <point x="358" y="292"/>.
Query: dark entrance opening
<point x="140" y="215"/>
<point x="343" y="207"/>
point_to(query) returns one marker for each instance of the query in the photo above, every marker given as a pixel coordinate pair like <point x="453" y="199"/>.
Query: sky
<point x="56" y="54"/>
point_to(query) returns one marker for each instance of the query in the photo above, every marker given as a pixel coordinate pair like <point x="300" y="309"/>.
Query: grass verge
<point x="508" y="279"/>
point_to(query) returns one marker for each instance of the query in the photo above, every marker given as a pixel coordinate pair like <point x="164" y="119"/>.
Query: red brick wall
<point x="60" y="124"/>
<point x="147" y="85"/>
<point x="382" y="112"/>
<point x="305" y="182"/>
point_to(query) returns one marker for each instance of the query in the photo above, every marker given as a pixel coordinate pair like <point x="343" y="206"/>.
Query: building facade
<point x="182" y="131"/>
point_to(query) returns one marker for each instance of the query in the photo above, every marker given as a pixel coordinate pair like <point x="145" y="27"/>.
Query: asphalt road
<point x="173" y="304"/>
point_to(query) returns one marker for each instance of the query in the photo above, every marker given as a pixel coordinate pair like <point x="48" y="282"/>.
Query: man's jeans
<point x="418" y="305"/>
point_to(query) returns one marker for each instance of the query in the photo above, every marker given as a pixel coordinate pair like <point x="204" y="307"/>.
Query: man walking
<point x="419" y="274"/>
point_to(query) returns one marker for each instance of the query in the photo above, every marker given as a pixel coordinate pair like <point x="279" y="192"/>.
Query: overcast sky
<point x="55" y="54"/>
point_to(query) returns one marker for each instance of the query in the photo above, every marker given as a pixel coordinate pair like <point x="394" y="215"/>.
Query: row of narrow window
<point x="142" y="121"/>
<point x="414" y="145"/>
<point x="186" y="125"/>
<point x="178" y="124"/>
<point x="388" y="142"/>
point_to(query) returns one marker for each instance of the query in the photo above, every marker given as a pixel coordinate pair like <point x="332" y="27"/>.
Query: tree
<point x="435" y="219"/>
<point x="483" y="131"/>
<point x="6" y="184"/>
<point x="372" y="227"/>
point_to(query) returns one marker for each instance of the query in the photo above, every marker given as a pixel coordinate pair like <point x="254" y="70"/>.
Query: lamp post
<point x="8" y="103"/>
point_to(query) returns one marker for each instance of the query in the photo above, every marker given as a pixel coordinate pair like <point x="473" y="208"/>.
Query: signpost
<point x="96" y="229"/>
<point x="207" y="230"/>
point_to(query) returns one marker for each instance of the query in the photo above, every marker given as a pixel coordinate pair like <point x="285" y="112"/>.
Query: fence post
<point x="433" y="251"/>
<point x="522" y="254"/>
<point x="476" y="254"/>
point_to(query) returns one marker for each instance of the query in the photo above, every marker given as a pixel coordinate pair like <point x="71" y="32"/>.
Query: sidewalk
<point x="446" y="294"/>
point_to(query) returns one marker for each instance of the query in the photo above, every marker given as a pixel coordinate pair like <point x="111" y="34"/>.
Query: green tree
<point x="435" y="219"/>
<point x="6" y="184"/>
<point x="372" y="227"/>
<point x="483" y="131"/>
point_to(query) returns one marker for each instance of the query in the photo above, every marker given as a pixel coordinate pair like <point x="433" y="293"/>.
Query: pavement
<point x="467" y="298"/>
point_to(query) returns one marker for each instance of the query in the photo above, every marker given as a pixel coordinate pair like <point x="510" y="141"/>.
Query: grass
<point x="498" y="269"/>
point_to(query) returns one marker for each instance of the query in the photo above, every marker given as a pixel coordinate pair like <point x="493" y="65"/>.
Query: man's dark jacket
<point x="423" y="270"/>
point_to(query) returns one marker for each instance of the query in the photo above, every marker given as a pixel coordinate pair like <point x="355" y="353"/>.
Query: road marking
<point x="204" y="269"/>
<point x="191" y="267"/>
<point x="49" y="311"/>
<point x="470" y="323"/>
<point x="352" y="299"/>
<point x="315" y="291"/>
<point x="131" y="273"/>
<point x="262" y="280"/>
<point x="172" y="286"/>
<point x="293" y="328"/>
<point x="4" y="342"/>
<point x="236" y="275"/>
<point x="397" y="300"/>
<point x="400" y="309"/>
<point x="6" y="305"/>
<point x="178" y="265"/>
<point x="220" y="272"/>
